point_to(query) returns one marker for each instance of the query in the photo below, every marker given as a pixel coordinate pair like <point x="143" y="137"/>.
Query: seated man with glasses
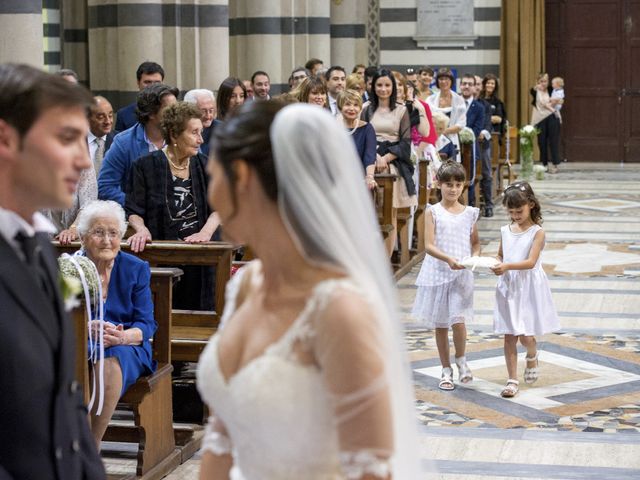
<point x="128" y="308"/>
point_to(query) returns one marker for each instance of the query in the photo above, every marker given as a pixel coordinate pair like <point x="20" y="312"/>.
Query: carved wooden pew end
<point x="150" y="398"/>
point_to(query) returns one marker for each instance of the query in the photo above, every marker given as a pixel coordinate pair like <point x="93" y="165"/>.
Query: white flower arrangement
<point x="71" y="283"/>
<point x="466" y="135"/>
<point x="539" y="170"/>
<point x="527" y="135"/>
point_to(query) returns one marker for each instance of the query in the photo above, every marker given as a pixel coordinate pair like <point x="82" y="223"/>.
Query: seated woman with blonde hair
<point x="355" y="82"/>
<point x="128" y="308"/>
<point x="362" y="133"/>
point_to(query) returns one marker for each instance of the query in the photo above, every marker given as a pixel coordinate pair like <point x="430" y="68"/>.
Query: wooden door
<point x="595" y="46"/>
<point x="630" y="93"/>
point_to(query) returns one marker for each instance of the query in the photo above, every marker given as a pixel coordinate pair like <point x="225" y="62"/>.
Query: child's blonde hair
<point x="440" y="120"/>
<point x="558" y="80"/>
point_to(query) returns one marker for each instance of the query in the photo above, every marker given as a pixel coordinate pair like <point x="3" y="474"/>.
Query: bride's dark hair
<point x="245" y="135"/>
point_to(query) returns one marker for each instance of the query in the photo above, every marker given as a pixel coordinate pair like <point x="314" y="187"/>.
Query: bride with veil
<point x="307" y="377"/>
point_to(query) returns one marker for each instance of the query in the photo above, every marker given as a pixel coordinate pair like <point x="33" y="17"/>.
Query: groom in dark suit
<point x="43" y="149"/>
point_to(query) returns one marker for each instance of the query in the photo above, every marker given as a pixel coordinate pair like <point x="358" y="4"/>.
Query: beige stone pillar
<point x="75" y="48"/>
<point x="276" y="36"/>
<point x="189" y="40"/>
<point x="21" y="27"/>
<point x="348" y="33"/>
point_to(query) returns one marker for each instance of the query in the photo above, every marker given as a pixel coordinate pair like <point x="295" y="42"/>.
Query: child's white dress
<point x="524" y="305"/>
<point x="445" y="296"/>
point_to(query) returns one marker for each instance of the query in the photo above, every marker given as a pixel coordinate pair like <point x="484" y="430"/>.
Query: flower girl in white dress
<point x="307" y="377"/>
<point x="524" y="306"/>
<point x="444" y="299"/>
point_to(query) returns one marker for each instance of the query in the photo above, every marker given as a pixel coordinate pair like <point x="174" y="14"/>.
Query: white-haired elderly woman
<point x="128" y="307"/>
<point x="206" y="102"/>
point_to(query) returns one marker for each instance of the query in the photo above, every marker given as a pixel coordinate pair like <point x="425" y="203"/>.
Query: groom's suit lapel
<point x="28" y="295"/>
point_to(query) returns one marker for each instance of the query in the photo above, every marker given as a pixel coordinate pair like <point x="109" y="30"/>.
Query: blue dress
<point x="364" y="138"/>
<point x="129" y="303"/>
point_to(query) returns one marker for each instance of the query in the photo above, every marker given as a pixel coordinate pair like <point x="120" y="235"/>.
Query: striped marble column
<point x="276" y="36"/>
<point x="188" y="38"/>
<point x="348" y="33"/>
<point x="22" y="32"/>
<point x="74" y="37"/>
<point x="51" y="35"/>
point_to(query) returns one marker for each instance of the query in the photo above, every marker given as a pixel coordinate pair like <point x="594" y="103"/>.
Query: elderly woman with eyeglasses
<point x="167" y="200"/>
<point x="128" y="308"/>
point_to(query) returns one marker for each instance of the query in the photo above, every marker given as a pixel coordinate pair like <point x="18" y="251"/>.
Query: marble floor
<point x="582" y="418"/>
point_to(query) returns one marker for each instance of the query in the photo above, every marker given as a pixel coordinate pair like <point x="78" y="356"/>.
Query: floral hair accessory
<point x="519" y="185"/>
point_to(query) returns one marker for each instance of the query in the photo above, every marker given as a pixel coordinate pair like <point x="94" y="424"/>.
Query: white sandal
<point x="511" y="389"/>
<point x="447" y="379"/>
<point x="464" y="372"/>
<point x="531" y="374"/>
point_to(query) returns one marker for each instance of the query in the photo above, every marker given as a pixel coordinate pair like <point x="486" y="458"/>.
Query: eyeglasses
<point x="410" y="71"/>
<point x="208" y="111"/>
<point x="109" y="234"/>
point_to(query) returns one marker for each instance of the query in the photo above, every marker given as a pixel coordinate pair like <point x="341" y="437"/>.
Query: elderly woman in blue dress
<point x="128" y="307"/>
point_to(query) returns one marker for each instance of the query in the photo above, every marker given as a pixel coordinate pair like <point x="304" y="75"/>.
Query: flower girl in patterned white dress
<point x="524" y="306"/>
<point x="445" y="288"/>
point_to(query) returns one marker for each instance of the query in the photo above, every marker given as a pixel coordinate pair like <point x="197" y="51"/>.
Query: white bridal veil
<point x="329" y="212"/>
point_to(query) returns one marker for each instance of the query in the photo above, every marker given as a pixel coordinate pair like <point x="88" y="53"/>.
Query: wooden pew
<point x="496" y="184"/>
<point x="150" y="398"/>
<point x="383" y="198"/>
<point x="423" y="201"/>
<point x="404" y="245"/>
<point x="191" y="329"/>
<point x="467" y="163"/>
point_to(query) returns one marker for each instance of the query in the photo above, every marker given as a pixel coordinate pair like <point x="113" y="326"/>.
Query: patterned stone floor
<point x="624" y="418"/>
<point x="589" y="389"/>
<point x="582" y="418"/>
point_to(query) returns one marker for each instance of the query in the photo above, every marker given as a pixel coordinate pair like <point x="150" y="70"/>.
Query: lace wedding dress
<point x="332" y="398"/>
<point x="280" y="421"/>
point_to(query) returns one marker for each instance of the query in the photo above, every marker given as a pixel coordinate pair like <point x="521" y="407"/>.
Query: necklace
<point x="350" y="132"/>
<point x="177" y="167"/>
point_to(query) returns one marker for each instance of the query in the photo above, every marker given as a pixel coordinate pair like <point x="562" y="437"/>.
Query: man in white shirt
<point x="336" y="81"/>
<point x="100" y="130"/>
<point x="261" y="85"/>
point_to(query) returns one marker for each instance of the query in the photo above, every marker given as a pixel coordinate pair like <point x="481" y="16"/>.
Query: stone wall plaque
<point x="445" y="23"/>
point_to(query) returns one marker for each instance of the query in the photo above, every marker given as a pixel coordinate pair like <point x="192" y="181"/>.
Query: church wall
<point x="399" y="50"/>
